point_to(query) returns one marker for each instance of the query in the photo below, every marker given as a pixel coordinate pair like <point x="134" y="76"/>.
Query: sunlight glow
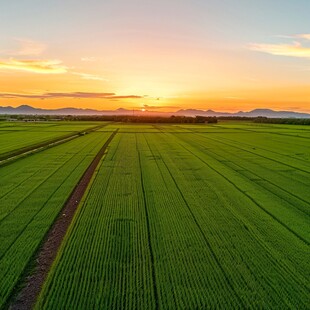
<point x="170" y="55"/>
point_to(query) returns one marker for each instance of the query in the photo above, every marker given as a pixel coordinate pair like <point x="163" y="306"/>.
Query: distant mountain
<point x="28" y="110"/>
<point x="254" y="113"/>
<point x="194" y="112"/>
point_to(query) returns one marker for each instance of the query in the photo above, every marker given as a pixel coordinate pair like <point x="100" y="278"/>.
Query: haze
<point x="156" y="55"/>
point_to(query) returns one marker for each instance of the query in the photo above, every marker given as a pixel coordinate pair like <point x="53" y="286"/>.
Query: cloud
<point x="305" y="36"/>
<point x="29" y="47"/>
<point x="294" y="49"/>
<point x="87" y="76"/>
<point x="154" y="107"/>
<point x="77" y="95"/>
<point x="44" y="67"/>
<point x="291" y="50"/>
<point x="34" y="66"/>
<point x="25" y="47"/>
<point x="234" y="98"/>
<point x="88" y="59"/>
<point x="127" y="97"/>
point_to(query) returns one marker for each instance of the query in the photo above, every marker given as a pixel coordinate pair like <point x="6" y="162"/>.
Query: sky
<point x="162" y="55"/>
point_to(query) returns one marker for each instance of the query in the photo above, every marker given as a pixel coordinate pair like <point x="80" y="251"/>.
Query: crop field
<point x="175" y="217"/>
<point x="33" y="191"/>
<point x="19" y="136"/>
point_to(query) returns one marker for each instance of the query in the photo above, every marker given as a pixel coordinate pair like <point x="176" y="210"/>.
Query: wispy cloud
<point x="126" y="97"/>
<point x="294" y="49"/>
<point x="154" y="107"/>
<point x="234" y="98"/>
<point x="87" y="76"/>
<point x="44" y="67"/>
<point x="305" y="36"/>
<point x="77" y="95"/>
<point x="24" y="47"/>
<point x="34" y="66"/>
<point x="88" y="59"/>
<point x="29" y="48"/>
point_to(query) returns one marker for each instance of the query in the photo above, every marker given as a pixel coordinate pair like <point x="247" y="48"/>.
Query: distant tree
<point x="288" y="121"/>
<point x="206" y="119"/>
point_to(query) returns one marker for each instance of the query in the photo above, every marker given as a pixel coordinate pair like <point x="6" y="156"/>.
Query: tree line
<point x="157" y="119"/>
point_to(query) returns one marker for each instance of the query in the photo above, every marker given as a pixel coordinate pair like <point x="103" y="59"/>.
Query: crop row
<point x="30" y="136"/>
<point x="275" y="187"/>
<point x="236" y="229"/>
<point x="105" y="260"/>
<point x="168" y="224"/>
<point x="33" y="191"/>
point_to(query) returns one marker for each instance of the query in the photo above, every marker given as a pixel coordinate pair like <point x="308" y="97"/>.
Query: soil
<point x="32" y="283"/>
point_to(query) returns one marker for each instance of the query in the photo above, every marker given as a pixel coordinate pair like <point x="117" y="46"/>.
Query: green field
<point x="22" y="136"/>
<point x="33" y="191"/>
<point x="176" y="217"/>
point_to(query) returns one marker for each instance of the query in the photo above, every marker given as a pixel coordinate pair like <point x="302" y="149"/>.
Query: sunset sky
<point x="163" y="55"/>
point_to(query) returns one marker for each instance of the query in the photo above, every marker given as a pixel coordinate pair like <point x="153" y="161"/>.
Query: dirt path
<point x="32" y="283"/>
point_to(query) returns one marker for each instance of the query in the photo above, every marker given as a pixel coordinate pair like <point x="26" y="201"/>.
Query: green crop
<point x="33" y="191"/>
<point x="15" y="137"/>
<point x="191" y="217"/>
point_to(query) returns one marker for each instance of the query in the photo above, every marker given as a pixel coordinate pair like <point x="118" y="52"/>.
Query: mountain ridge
<point x="29" y="110"/>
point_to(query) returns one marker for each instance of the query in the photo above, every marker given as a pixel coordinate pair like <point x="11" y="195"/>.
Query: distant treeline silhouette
<point x="174" y="119"/>
<point x="267" y="120"/>
<point x="150" y="119"/>
<point x="290" y="121"/>
<point x="115" y="118"/>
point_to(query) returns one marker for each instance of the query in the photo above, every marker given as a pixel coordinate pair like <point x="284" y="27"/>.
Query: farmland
<point x="176" y="216"/>
<point x="16" y="137"/>
<point x="33" y="191"/>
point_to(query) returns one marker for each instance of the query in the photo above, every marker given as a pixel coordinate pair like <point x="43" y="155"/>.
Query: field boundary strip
<point x="32" y="282"/>
<point x="23" y="152"/>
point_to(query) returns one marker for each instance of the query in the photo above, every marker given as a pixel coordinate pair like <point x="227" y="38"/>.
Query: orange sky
<point x="158" y="56"/>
